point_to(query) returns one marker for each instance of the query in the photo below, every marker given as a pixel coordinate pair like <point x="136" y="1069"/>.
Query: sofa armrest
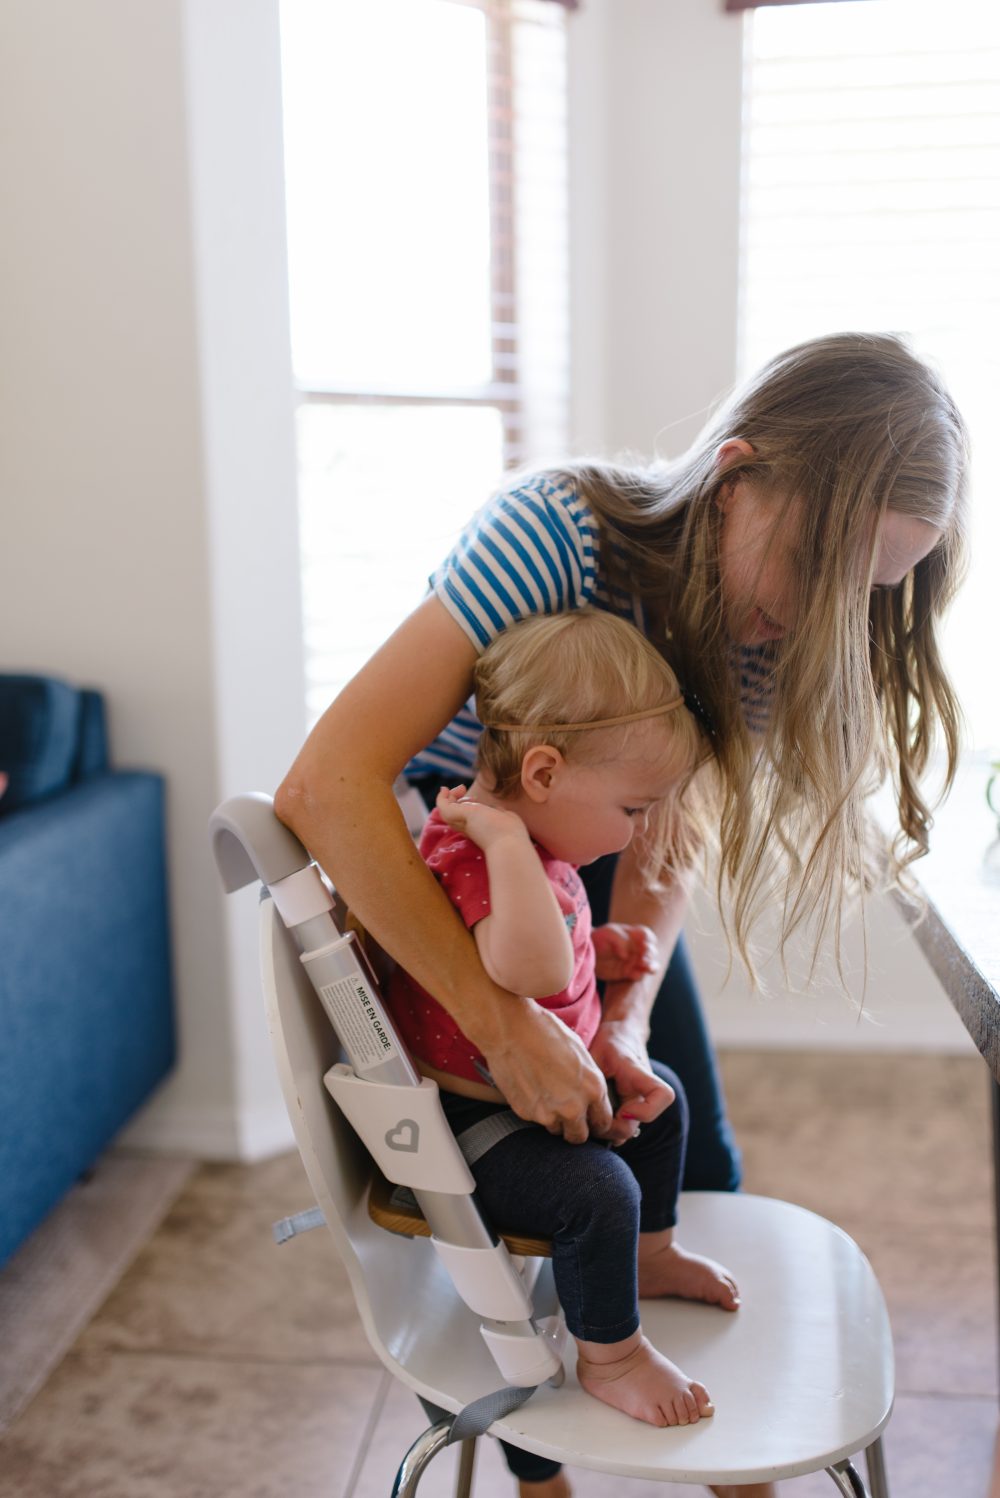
<point x="86" y="1016"/>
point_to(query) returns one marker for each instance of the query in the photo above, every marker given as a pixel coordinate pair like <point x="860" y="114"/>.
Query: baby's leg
<point x="586" y="1199"/>
<point x="656" y="1158"/>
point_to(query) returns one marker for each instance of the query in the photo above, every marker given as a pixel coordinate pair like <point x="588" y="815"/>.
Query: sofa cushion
<point x="39" y="737"/>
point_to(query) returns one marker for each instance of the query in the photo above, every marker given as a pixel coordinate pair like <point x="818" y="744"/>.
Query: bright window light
<point x="872" y="202"/>
<point x="388" y="193"/>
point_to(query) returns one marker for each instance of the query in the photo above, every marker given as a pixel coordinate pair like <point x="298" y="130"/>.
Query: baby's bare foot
<point x="641" y="1382"/>
<point x="665" y="1268"/>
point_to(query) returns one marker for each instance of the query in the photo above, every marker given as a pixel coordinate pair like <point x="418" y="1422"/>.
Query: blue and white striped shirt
<point x="535" y="549"/>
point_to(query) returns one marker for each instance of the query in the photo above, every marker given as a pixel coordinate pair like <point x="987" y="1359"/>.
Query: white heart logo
<point x="405" y="1136"/>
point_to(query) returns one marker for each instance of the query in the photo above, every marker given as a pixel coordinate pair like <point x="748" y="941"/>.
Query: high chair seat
<point x="801" y="1375"/>
<point x="394" y="1209"/>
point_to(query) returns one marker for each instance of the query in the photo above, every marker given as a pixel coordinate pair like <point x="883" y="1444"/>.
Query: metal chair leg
<point x="423" y="1451"/>
<point x="878" y="1481"/>
<point x="848" y="1480"/>
<point x="466" y="1462"/>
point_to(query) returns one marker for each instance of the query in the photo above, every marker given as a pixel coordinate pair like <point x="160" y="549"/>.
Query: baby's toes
<point x="690" y="1407"/>
<point x="702" y="1399"/>
<point x="679" y="1412"/>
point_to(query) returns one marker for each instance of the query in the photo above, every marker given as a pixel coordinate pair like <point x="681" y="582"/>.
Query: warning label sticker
<point x="355" y="1013"/>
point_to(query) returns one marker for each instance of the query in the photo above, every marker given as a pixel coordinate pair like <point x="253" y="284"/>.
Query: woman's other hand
<point x="621" y="1055"/>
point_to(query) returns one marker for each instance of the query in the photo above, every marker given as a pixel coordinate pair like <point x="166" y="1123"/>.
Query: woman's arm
<point x="338" y="799"/>
<point x="523" y="940"/>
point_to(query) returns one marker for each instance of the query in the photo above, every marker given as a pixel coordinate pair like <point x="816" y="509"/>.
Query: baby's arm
<point x="523" y="942"/>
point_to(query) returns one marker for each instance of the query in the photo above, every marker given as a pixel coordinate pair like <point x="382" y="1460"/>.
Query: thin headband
<point x="647" y="712"/>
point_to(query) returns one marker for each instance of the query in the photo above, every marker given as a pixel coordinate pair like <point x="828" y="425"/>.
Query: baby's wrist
<point x="510" y="834"/>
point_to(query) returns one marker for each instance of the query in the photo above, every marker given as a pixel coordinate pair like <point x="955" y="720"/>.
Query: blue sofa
<point x="86" y="1012"/>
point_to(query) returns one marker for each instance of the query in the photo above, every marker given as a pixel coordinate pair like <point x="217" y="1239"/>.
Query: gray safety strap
<point x="478" y="1416"/>
<point x="290" y="1227"/>
<point x="482" y="1136"/>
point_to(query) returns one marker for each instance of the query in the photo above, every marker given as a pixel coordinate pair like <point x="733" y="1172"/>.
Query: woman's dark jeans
<point x="679" y="1038"/>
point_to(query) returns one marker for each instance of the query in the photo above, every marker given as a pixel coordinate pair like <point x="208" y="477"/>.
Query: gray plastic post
<point x="250" y="843"/>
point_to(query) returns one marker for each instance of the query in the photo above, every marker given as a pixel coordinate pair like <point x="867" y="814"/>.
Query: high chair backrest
<point x="388" y="1274"/>
<point x="401" y="1286"/>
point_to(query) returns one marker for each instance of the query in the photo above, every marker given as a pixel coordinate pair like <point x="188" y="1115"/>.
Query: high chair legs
<point x="423" y="1451"/>
<point x="848" y="1480"/>
<point x="878" y="1482"/>
<point x="426" y="1447"/>
<point x="466" y="1462"/>
<point x="846" y="1476"/>
<point x="466" y="1454"/>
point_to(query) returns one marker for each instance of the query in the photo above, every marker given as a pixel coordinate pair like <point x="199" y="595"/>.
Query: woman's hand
<point x="619" y="1048"/>
<point x="545" y="1073"/>
<point x="625" y="953"/>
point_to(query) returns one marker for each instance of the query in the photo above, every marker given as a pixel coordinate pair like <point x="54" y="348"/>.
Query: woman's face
<point x="758" y="561"/>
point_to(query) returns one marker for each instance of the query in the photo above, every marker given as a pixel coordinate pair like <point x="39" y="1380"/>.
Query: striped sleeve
<point x="756" y="666"/>
<point x="530" y="550"/>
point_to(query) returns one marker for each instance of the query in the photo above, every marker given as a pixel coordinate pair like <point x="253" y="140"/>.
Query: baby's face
<point x="597" y="809"/>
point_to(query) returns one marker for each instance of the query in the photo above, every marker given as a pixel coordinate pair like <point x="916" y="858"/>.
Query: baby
<point x="586" y="742"/>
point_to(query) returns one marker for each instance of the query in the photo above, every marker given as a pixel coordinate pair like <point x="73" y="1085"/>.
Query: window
<point x="872" y="201"/>
<point x="427" y="228"/>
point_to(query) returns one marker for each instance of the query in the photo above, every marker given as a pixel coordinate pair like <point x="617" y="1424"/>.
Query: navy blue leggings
<point x="591" y="1200"/>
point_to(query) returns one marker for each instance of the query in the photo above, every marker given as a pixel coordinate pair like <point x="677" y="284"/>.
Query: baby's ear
<point x="539" y="770"/>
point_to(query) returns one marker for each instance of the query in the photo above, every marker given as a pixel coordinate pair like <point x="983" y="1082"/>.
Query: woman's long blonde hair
<point x="851" y="425"/>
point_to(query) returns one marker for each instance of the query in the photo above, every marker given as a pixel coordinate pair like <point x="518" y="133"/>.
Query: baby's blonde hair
<point x="582" y="667"/>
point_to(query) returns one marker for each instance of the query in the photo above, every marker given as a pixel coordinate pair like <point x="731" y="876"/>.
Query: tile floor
<point x="223" y="1367"/>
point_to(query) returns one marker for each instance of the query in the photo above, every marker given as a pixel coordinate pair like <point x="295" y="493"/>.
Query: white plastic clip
<point x="404" y="1130"/>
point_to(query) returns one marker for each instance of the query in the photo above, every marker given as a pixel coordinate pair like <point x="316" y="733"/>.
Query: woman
<point x="792" y="568"/>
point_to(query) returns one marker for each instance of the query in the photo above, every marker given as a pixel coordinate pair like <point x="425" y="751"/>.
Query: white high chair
<point x="801" y="1376"/>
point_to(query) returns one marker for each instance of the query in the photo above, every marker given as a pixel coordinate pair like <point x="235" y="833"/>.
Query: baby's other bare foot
<point x="665" y="1268"/>
<point x="641" y="1382"/>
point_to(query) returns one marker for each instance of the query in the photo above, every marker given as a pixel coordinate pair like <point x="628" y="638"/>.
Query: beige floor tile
<point x="58" y="1278"/>
<point x="213" y="1281"/>
<point x="941" y="1448"/>
<point x="137" y="1426"/>
<point x="889" y="1139"/>
<point x="281" y="1181"/>
<point x="940" y="1287"/>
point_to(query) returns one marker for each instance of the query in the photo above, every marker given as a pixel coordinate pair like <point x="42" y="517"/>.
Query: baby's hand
<point x="625" y="953"/>
<point x="485" y="825"/>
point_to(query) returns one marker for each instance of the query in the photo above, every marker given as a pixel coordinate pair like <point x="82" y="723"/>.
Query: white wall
<point x="654" y="136"/>
<point x="149" y="543"/>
